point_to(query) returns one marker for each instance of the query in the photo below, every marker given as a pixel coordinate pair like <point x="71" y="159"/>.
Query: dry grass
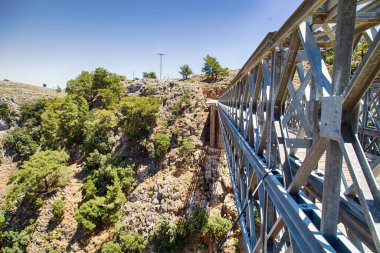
<point x="20" y="93"/>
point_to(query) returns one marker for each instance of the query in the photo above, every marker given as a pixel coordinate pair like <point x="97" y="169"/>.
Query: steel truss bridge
<point x="301" y="121"/>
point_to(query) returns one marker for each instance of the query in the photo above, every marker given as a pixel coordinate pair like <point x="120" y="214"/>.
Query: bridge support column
<point x="216" y="141"/>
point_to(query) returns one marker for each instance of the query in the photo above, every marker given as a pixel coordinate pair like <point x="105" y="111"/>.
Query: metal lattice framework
<point x="309" y="131"/>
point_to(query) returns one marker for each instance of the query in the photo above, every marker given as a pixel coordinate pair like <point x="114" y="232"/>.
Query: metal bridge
<point x="301" y="121"/>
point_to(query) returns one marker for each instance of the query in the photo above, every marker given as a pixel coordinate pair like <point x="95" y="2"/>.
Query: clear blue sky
<point x="52" y="41"/>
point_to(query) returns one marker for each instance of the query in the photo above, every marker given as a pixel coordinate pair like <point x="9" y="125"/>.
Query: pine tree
<point x="212" y="68"/>
<point x="186" y="71"/>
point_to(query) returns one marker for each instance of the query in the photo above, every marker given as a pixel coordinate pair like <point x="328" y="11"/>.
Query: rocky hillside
<point x="15" y="94"/>
<point x="19" y="93"/>
<point x="181" y="199"/>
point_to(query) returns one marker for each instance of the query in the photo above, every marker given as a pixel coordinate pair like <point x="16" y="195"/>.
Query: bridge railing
<point x="302" y="117"/>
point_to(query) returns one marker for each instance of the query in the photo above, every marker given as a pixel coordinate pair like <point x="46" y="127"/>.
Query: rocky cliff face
<point x="200" y="180"/>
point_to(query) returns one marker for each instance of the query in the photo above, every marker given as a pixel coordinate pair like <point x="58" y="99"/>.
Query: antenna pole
<point x="160" y="54"/>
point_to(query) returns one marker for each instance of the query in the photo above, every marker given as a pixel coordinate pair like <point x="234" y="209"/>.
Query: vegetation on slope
<point x="98" y="123"/>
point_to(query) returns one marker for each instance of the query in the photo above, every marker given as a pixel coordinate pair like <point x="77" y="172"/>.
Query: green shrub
<point x="198" y="220"/>
<point x="38" y="203"/>
<point x="101" y="210"/>
<point x="176" y="110"/>
<point x="89" y="190"/>
<point x="107" y="175"/>
<point x="161" y="144"/>
<point x="183" y="103"/>
<point x="63" y="122"/>
<point x="138" y="116"/>
<point x="97" y="84"/>
<point x="111" y="247"/>
<point x="3" y="221"/>
<point x="30" y="114"/>
<point x="108" y="98"/>
<point x="176" y="133"/>
<point x="58" y="209"/>
<point x="6" y="113"/>
<point x="186" y="148"/>
<point x="168" y="236"/>
<point x="13" y="240"/>
<point x="95" y="160"/>
<point x="41" y="174"/>
<point x="150" y="90"/>
<point x="216" y="227"/>
<point x="20" y="142"/>
<point x="133" y="243"/>
<point x="99" y="131"/>
<point x="149" y="75"/>
<point x="171" y="236"/>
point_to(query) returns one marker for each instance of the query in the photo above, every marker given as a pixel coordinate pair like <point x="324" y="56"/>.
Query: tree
<point x="212" y="68"/>
<point x="99" y="131"/>
<point x="149" y="75"/>
<point x="99" y="85"/>
<point x="20" y="142"/>
<point x="30" y="114"/>
<point x="138" y="116"/>
<point x="41" y="174"/>
<point x="63" y="121"/>
<point x="101" y="210"/>
<point x="44" y="85"/>
<point x="81" y="86"/>
<point x="59" y="89"/>
<point x="185" y="71"/>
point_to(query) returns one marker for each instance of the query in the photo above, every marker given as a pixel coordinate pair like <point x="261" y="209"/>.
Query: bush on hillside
<point x="101" y="210"/>
<point x="30" y="114"/>
<point x="99" y="131"/>
<point x="171" y="236"/>
<point x="89" y="190"/>
<point x="161" y="144"/>
<point x="216" y="227"/>
<point x="138" y="116"/>
<point x="149" y="75"/>
<point x="6" y="113"/>
<point x="41" y="174"/>
<point x="20" y="142"/>
<point x="182" y="104"/>
<point x="38" y="203"/>
<point x="186" y="148"/>
<point x="133" y="243"/>
<point x="111" y="247"/>
<point x="58" y="209"/>
<point x="63" y="122"/>
<point x="108" y="174"/>
<point x="15" y="240"/>
<point x="95" y="160"/>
